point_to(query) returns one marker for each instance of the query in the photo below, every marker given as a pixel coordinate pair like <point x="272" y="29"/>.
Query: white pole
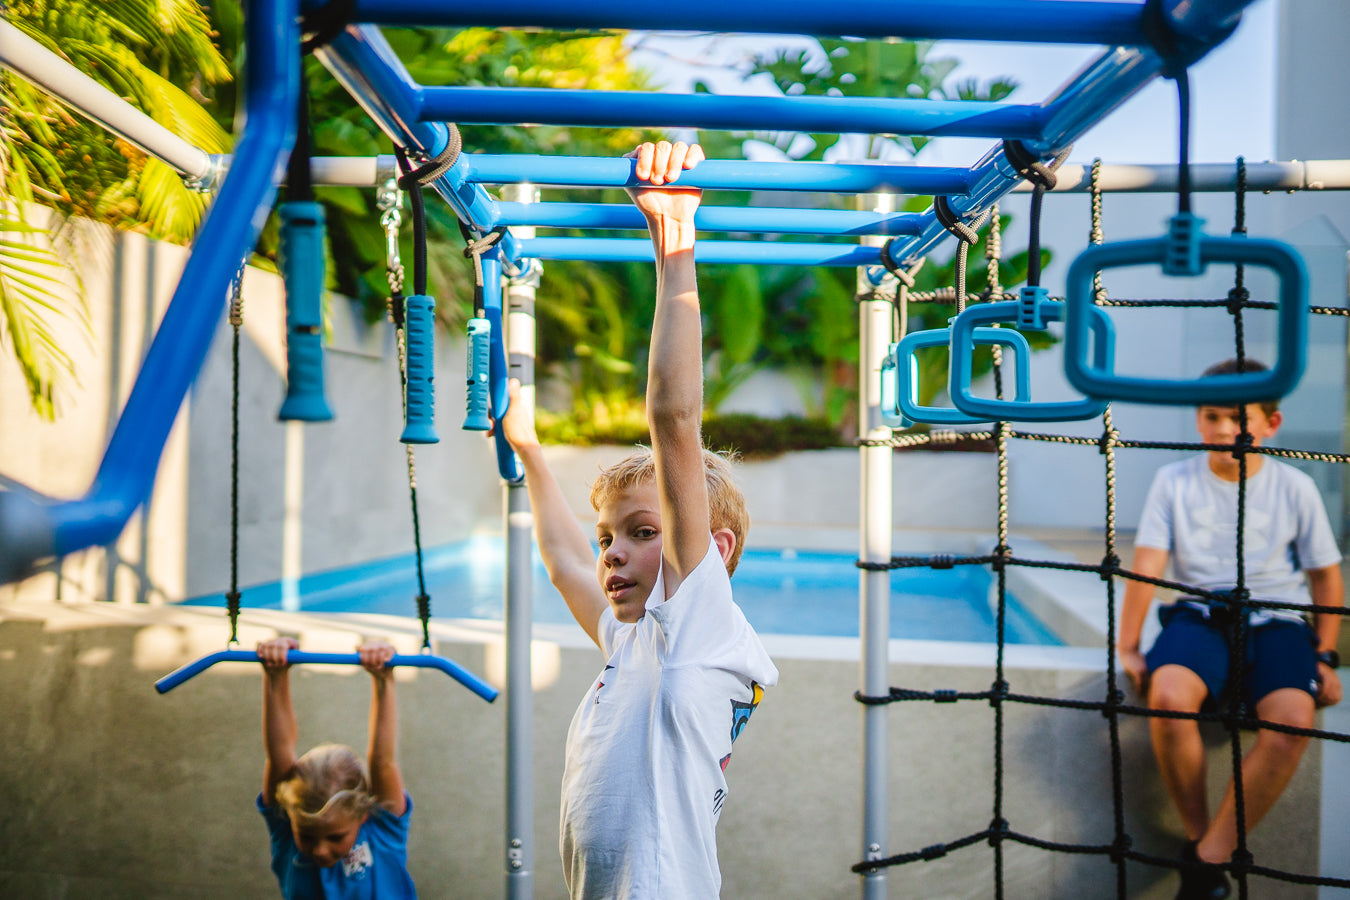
<point x="875" y="317"/>
<point x="519" y="294"/>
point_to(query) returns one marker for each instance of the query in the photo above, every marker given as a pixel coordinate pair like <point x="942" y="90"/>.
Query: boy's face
<point x="330" y="840"/>
<point x="1221" y="425"/>
<point x="628" y="531"/>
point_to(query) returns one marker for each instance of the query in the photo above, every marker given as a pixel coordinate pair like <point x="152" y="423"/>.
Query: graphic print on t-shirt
<point x="740" y="715"/>
<point x="601" y="683"/>
<point x="355" y="863"/>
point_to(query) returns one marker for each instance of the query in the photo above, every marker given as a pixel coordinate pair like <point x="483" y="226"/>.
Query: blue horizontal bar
<point x="753" y="219"/>
<point x="721" y="174"/>
<point x="299" y="657"/>
<point x="764" y="253"/>
<point x="638" y="109"/>
<point x="1031" y="21"/>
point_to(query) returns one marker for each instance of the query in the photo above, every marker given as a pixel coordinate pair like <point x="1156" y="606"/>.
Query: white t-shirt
<point x="643" y="783"/>
<point x="1192" y="513"/>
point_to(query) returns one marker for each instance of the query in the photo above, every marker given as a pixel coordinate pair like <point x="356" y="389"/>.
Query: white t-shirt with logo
<point x="1192" y="513"/>
<point x="643" y="783"/>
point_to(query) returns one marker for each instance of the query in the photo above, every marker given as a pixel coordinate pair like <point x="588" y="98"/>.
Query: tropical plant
<point x="141" y="50"/>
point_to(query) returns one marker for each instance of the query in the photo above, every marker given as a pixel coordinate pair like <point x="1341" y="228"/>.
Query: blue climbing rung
<point x="967" y="326"/>
<point x="906" y="367"/>
<point x="1097" y="378"/>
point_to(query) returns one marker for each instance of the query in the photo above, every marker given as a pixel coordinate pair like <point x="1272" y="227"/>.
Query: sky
<point x="1232" y="90"/>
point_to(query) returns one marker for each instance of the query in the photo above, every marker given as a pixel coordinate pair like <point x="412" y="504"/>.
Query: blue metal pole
<point x="764" y="253"/>
<point x="364" y="63"/>
<point x="1032" y="21"/>
<point x="231" y="228"/>
<point x="758" y="220"/>
<point x="721" y="174"/>
<point x="642" y="109"/>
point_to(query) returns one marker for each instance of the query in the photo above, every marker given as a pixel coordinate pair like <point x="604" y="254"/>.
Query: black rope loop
<point x="901" y="274"/>
<point x="1029" y="165"/>
<point x="437" y="166"/>
<point x="949" y="220"/>
<point x="320" y="26"/>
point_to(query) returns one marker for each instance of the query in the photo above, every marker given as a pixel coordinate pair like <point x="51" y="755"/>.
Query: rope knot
<point x="1237" y="300"/>
<point x="1120" y="848"/>
<point x="998" y="692"/>
<point x="936" y="851"/>
<point x="1110" y="566"/>
<point x="998" y="830"/>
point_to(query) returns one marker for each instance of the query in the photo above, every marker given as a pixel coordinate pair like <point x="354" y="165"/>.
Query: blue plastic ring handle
<point x="1098" y="379"/>
<point x="421" y="661"/>
<point x="508" y="466"/>
<point x="907" y="372"/>
<point x="890" y="409"/>
<point x="1023" y="409"/>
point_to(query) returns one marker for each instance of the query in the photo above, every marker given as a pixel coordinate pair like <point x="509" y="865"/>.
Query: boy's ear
<point x="1275" y="420"/>
<point x="725" y="539"/>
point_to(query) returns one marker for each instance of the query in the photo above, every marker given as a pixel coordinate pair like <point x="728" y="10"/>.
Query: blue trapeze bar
<point x="1032" y="21"/>
<point x="722" y="174"/>
<point x="299" y="657"/>
<point x="364" y="63"/>
<point x="764" y="253"/>
<point x="758" y="220"/>
<point x="31" y="527"/>
<point x="643" y="109"/>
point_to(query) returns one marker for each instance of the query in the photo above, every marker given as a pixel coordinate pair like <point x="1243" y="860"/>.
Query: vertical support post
<point x="519" y="320"/>
<point x="875" y="317"/>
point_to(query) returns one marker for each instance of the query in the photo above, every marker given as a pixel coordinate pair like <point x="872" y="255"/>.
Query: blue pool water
<point x="781" y="592"/>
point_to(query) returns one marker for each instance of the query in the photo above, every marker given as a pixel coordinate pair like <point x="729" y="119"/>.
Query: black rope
<point x="236" y="321"/>
<point x="397" y="313"/>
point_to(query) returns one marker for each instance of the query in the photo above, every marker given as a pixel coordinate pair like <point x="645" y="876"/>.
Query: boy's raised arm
<point x="675" y="364"/>
<point x="563" y="547"/>
<point x="386" y="781"/>
<point x="279" y="727"/>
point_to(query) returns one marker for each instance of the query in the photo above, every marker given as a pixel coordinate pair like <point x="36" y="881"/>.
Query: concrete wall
<point x="113" y="792"/>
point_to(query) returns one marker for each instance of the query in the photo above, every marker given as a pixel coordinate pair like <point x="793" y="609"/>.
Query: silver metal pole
<point x="875" y="317"/>
<point x="62" y="80"/>
<point x="519" y="295"/>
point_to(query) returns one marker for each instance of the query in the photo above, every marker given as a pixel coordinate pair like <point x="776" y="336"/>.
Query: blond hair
<point x="726" y="503"/>
<point x="329" y="779"/>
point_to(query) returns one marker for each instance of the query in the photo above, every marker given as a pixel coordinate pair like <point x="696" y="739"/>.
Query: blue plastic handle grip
<point x="1023" y="408"/>
<point x="476" y="379"/>
<point x="907" y="372"/>
<point x="301" y="258"/>
<point x="419" y="336"/>
<point x="1097" y="379"/>
<point x="300" y="657"/>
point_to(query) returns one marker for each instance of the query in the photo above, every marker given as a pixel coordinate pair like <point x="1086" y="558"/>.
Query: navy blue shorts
<point x="1280" y="653"/>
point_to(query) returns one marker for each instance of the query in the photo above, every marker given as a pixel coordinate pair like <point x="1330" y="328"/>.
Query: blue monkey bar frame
<point x="33" y="528"/>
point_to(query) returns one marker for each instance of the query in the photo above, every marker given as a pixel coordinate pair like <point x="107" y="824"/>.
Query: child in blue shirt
<point x="339" y="824"/>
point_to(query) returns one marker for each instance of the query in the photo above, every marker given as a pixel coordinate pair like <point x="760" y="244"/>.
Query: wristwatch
<point x="1330" y="658"/>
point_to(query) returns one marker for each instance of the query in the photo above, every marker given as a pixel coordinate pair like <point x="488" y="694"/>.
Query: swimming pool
<point x="795" y="592"/>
